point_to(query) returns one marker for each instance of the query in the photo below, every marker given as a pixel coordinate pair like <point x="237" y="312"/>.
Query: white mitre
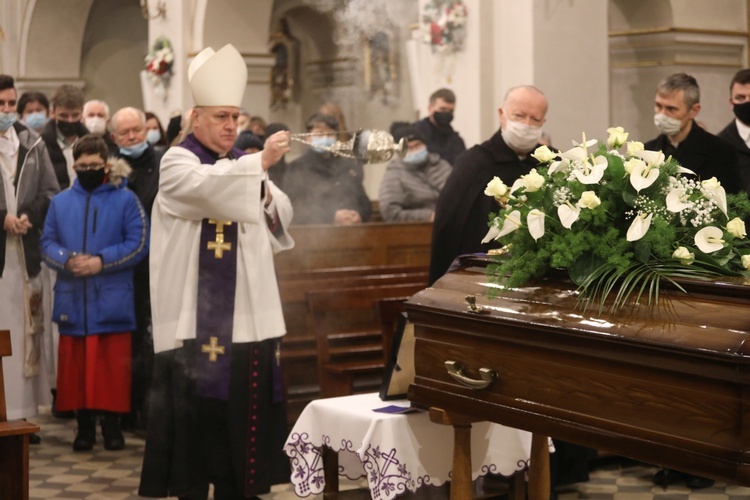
<point x="218" y="78"/>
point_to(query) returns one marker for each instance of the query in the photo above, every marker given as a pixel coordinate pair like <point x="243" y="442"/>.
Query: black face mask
<point x="91" y="179"/>
<point x="443" y="118"/>
<point x="67" y="129"/>
<point x="742" y="112"/>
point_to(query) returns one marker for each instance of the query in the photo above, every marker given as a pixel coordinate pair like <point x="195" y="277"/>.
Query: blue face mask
<point x="153" y="136"/>
<point x="416" y="157"/>
<point x="6" y="121"/>
<point x="134" y="151"/>
<point x="36" y="120"/>
<point x="318" y="142"/>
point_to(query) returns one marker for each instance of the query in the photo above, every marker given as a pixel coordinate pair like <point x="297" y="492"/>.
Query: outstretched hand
<point x="276" y="146"/>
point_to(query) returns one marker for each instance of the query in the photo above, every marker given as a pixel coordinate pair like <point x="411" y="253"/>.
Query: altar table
<point x="397" y="452"/>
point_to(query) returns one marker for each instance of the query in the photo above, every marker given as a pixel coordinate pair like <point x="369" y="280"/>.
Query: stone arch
<point x="91" y="43"/>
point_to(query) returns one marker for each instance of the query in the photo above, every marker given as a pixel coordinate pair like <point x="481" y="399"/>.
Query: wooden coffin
<point x="666" y="384"/>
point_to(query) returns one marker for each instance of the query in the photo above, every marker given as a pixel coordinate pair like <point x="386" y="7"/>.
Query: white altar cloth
<point x="397" y="452"/>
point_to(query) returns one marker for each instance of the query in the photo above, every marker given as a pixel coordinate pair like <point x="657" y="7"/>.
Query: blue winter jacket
<point x="109" y="222"/>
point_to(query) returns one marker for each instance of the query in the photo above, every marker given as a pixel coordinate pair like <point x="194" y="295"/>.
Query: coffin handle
<point x="456" y="371"/>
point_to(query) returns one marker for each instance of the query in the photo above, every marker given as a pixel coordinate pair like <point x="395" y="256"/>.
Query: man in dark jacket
<point x="737" y="132"/>
<point x="676" y="105"/>
<point x="462" y="208"/>
<point x="129" y="135"/>
<point x="436" y="129"/>
<point x="63" y="130"/>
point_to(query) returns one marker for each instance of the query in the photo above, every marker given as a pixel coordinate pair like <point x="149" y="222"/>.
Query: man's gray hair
<point x="97" y="101"/>
<point x="128" y="109"/>
<point x="684" y="82"/>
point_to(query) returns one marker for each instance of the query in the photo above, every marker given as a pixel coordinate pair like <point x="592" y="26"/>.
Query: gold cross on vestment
<point x="219" y="245"/>
<point x="212" y="348"/>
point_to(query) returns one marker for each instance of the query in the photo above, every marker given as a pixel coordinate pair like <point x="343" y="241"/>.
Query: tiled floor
<point x="58" y="472"/>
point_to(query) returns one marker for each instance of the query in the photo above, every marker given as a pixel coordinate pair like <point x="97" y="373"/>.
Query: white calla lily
<point x="559" y="166"/>
<point x="592" y="174"/>
<point x="643" y="175"/>
<point x="511" y="223"/>
<point x="568" y="214"/>
<point x="651" y="157"/>
<point x="677" y="201"/>
<point x="714" y="191"/>
<point x="709" y="239"/>
<point x="535" y="222"/>
<point x="493" y="233"/>
<point x="639" y="227"/>
<point x="684" y="170"/>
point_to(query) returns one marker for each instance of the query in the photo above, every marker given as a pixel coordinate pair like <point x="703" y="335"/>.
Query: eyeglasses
<point x="88" y="166"/>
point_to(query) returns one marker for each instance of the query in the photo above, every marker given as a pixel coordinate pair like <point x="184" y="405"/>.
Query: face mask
<point x="667" y="125"/>
<point x="134" y="151"/>
<point x="6" y="121"/>
<point x="320" y="142"/>
<point x="443" y="118"/>
<point x="416" y="157"/>
<point x="91" y="179"/>
<point x="67" y="129"/>
<point x="153" y="136"/>
<point x="36" y="120"/>
<point x="520" y="136"/>
<point x="742" y="112"/>
<point x="95" y="124"/>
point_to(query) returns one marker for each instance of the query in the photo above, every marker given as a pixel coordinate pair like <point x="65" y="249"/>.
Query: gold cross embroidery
<point x="213" y="348"/>
<point x="219" y="245"/>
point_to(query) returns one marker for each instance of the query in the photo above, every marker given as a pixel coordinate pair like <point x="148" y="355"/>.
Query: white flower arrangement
<point x="159" y="63"/>
<point x="444" y="25"/>
<point x="609" y="218"/>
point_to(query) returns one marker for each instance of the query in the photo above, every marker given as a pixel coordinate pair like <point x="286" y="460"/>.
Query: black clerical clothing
<point x="732" y="136"/>
<point x="462" y="209"/>
<point x="703" y="153"/>
<point x="319" y="184"/>
<point x="441" y="140"/>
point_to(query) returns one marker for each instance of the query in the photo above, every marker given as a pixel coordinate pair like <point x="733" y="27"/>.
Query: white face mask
<point x="666" y="125"/>
<point x="96" y="125"/>
<point x="521" y="137"/>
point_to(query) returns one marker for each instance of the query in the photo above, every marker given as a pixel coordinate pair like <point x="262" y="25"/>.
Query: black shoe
<point x="35" y="439"/>
<point x="113" y="438"/>
<point x="86" y="433"/>
<point x="698" y="483"/>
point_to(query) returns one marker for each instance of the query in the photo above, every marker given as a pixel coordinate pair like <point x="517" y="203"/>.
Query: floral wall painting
<point x="285" y="49"/>
<point x="444" y="30"/>
<point x="159" y="62"/>
<point x="380" y="67"/>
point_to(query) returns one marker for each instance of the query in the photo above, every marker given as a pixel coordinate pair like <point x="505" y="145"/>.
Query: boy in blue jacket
<point x="95" y="233"/>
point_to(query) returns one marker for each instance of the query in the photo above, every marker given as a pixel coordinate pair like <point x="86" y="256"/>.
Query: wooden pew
<point x="14" y="441"/>
<point x="328" y="256"/>
<point x="348" y="334"/>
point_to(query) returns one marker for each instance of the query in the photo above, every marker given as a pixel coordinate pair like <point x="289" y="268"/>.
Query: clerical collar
<point x="208" y="156"/>
<point x="744" y="131"/>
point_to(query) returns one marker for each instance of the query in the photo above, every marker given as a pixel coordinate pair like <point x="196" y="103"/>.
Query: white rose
<point x="683" y="254"/>
<point x="532" y="181"/>
<point x="736" y="227"/>
<point x="617" y="137"/>
<point x="746" y="261"/>
<point x="544" y="154"/>
<point x="633" y="162"/>
<point x="496" y="188"/>
<point x="712" y="183"/>
<point x="589" y="199"/>
<point x="635" y="147"/>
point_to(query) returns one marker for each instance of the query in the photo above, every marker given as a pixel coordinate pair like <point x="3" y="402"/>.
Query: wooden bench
<point x="14" y="441"/>
<point x="348" y="335"/>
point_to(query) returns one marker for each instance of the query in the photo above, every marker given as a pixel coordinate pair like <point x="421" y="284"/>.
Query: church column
<point x="560" y="47"/>
<point x="175" y="25"/>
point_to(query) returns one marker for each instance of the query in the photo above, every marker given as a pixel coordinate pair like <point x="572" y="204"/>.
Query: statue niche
<point x="285" y="49"/>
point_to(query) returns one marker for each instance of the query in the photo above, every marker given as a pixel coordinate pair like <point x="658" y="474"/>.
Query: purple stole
<point x="217" y="279"/>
